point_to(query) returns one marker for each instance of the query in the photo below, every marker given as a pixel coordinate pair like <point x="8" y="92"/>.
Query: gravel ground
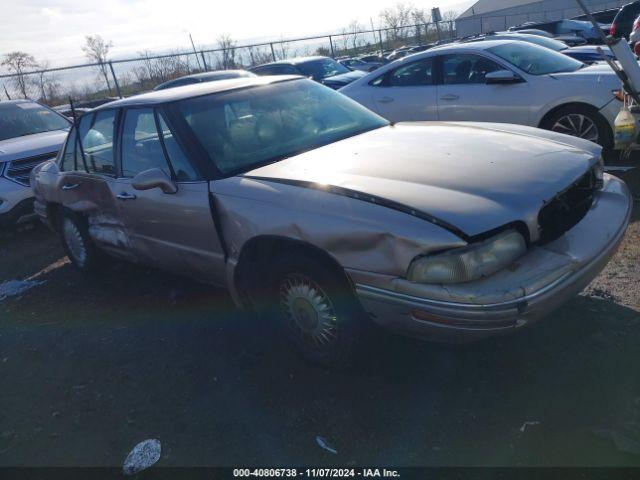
<point x="90" y="366"/>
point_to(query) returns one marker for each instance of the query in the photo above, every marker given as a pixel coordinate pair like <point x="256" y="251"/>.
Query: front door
<point x="174" y="231"/>
<point x="463" y="94"/>
<point x="407" y="93"/>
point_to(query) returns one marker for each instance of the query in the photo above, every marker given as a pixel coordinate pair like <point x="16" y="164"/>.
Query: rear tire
<point x="580" y="121"/>
<point x="78" y="245"/>
<point x="316" y="309"/>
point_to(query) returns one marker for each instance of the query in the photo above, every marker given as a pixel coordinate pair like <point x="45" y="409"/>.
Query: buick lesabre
<point x="296" y="198"/>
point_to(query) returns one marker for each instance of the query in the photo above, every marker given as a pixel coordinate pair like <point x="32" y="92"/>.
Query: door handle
<point x="71" y="186"/>
<point x="451" y="96"/>
<point x="126" y="196"/>
<point x="385" y="100"/>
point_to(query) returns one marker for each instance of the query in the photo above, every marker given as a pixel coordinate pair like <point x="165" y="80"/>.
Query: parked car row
<point x="490" y="77"/>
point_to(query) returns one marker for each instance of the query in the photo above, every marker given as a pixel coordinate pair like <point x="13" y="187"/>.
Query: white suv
<point x="30" y="134"/>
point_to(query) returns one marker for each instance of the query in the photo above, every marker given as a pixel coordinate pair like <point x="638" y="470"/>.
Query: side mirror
<point x="501" y="76"/>
<point x="154" y="178"/>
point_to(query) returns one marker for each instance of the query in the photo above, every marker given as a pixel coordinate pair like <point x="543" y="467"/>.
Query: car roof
<point x="213" y="74"/>
<point x="168" y="95"/>
<point x="19" y="100"/>
<point x="484" y="45"/>
<point x="293" y="61"/>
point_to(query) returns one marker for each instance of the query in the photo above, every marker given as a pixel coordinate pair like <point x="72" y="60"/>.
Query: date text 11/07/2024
<point x="316" y="472"/>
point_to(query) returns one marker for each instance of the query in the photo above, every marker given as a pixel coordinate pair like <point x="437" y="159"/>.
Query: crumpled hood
<point x="32" y="145"/>
<point x="473" y="176"/>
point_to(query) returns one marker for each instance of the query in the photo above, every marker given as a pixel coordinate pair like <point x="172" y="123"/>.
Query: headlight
<point x="469" y="263"/>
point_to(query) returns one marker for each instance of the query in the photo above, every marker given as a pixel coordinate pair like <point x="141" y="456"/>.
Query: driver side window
<point x="141" y="147"/>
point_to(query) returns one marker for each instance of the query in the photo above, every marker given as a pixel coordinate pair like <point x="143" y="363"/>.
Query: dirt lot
<point x="91" y="366"/>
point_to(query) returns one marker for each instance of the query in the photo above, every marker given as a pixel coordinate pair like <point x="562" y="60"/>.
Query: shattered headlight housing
<point x="598" y="173"/>
<point x="469" y="263"/>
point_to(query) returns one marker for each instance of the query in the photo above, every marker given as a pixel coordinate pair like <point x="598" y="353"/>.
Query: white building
<point x="495" y="15"/>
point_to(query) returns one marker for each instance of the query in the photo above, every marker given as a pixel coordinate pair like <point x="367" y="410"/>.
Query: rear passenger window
<point x="463" y="69"/>
<point x="418" y="73"/>
<point x="96" y="134"/>
<point x="141" y="147"/>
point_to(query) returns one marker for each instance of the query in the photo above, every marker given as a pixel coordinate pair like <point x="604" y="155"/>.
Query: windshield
<point x="534" y="59"/>
<point x="545" y="42"/>
<point x="27" y="118"/>
<point x="323" y="68"/>
<point x="243" y="129"/>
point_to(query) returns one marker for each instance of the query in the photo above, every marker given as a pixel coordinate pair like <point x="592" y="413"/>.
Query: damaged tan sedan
<point x="296" y="198"/>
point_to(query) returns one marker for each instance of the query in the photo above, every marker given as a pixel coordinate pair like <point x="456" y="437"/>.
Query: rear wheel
<point x="78" y="244"/>
<point x="317" y="309"/>
<point x="580" y="121"/>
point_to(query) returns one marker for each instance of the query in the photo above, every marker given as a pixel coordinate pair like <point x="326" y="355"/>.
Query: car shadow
<point x="99" y="363"/>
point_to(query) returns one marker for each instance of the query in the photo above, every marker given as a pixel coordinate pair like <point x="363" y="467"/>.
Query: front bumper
<point x="541" y="281"/>
<point x="16" y="203"/>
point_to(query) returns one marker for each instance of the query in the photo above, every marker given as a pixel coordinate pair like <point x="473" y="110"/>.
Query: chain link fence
<point x="125" y="77"/>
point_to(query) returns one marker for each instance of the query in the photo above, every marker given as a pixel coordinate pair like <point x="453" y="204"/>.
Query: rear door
<point x="173" y="231"/>
<point x="463" y="94"/>
<point x="86" y="183"/>
<point x="407" y="93"/>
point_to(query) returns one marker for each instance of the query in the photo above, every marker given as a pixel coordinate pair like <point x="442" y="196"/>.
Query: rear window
<point x="535" y="60"/>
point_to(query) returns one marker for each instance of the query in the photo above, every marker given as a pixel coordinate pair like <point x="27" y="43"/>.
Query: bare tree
<point x="283" y="49"/>
<point x="354" y="29"/>
<point x="227" y="47"/>
<point x="259" y="55"/>
<point x="96" y="49"/>
<point x="420" y="18"/>
<point x="448" y="18"/>
<point x="45" y="82"/>
<point x="19" y="63"/>
<point x="394" y="18"/>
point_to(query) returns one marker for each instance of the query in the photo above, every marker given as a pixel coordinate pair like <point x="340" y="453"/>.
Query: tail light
<point x="636" y="25"/>
<point x="612" y="30"/>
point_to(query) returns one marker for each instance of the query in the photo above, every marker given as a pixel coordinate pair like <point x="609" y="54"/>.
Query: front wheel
<point x="582" y="122"/>
<point x="316" y="309"/>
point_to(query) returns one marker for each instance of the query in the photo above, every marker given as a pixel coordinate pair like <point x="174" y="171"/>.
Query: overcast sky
<point x="54" y="30"/>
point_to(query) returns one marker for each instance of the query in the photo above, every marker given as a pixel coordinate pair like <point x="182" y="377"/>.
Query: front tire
<point x="78" y="245"/>
<point x="316" y="309"/>
<point x="580" y="121"/>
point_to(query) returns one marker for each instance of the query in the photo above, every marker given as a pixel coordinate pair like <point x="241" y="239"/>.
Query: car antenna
<point x="73" y="112"/>
<point x="77" y="127"/>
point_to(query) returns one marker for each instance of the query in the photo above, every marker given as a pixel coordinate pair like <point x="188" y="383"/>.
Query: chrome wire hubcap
<point x="309" y="312"/>
<point x="74" y="241"/>
<point x="577" y="125"/>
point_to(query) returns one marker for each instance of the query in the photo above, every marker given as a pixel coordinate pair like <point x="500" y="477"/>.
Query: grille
<point x="567" y="209"/>
<point x="19" y="170"/>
